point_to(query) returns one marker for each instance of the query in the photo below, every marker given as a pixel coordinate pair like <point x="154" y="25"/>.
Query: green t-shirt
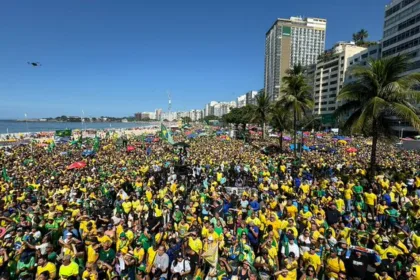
<point x="239" y="231"/>
<point x="107" y="256"/>
<point x="358" y="189"/>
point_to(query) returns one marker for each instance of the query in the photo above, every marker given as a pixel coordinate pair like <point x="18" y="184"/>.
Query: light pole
<point x="399" y="125"/>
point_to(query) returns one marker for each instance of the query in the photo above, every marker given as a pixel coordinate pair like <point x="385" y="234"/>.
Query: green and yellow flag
<point x="4" y="175"/>
<point x="166" y="134"/>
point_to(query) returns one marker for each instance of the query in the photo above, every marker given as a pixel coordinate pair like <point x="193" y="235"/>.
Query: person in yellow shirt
<point x="311" y="258"/>
<point x="371" y="201"/>
<point x="334" y="265"/>
<point x="90" y="273"/>
<point x="291" y="209"/>
<point x="195" y="243"/>
<point x="45" y="265"/>
<point x="69" y="268"/>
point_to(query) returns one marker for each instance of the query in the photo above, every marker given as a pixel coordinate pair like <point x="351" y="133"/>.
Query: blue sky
<point x="117" y="57"/>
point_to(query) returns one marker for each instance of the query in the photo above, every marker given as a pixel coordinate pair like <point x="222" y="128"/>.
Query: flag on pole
<point x="4" y="175"/>
<point x="51" y="146"/>
<point x="212" y="255"/>
<point x="96" y="143"/>
<point x="166" y="134"/>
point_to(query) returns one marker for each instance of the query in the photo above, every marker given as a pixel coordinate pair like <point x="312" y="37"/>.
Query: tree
<point x="360" y="37"/>
<point x="296" y="97"/>
<point x="186" y="120"/>
<point x="378" y="92"/>
<point x="261" y="111"/>
<point x="281" y="120"/>
<point x="210" y="118"/>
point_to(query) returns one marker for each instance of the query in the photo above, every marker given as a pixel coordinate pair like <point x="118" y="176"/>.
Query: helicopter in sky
<point x="34" y="64"/>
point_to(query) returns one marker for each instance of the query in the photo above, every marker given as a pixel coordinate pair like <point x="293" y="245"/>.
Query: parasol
<point x="351" y="150"/>
<point x="77" y="165"/>
<point x="130" y="148"/>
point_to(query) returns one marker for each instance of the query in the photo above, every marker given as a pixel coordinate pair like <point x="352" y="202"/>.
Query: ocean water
<point x="23" y="127"/>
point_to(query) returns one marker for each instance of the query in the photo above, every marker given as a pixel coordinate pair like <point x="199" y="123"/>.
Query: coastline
<point x="49" y="134"/>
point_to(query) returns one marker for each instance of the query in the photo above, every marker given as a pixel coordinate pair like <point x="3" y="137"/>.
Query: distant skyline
<point x="115" y="58"/>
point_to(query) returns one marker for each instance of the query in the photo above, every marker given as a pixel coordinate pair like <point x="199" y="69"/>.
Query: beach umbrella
<point x="156" y="139"/>
<point x="287" y="138"/>
<point x="130" y="148"/>
<point x="342" y="142"/>
<point x="88" y="153"/>
<point x="351" y="150"/>
<point x="77" y="165"/>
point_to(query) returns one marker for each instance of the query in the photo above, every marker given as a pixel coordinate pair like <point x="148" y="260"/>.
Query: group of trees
<point x="378" y="92"/>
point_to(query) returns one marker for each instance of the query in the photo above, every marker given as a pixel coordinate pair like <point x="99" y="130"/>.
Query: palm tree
<point x="281" y="120"/>
<point x="379" y="92"/>
<point x="296" y="97"/>
<point x="261" y="110"/>
<point x="360" y="36"/>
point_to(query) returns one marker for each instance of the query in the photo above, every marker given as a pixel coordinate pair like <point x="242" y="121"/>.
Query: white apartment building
<point x="241" y="101"/>
<point x="329" y="78"/>
<point x="290" y="42"/>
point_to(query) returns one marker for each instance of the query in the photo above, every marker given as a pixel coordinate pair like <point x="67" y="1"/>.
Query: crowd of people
<point x="211" y="208"/>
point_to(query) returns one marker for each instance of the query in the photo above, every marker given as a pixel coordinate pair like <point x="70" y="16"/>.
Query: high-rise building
<point x="402" y="36"/>
<point x="402" y="31"/>
<point x="290" y="42"/>
<point x="329" y="78"/>
<point x="241" y="101"/>
<point x="158" y="114"/>
<point x="250" y="97"/>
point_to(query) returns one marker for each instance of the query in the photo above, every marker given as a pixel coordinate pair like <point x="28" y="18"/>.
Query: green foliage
<point x="297" y="96"/>
<point x="379" y="91"/>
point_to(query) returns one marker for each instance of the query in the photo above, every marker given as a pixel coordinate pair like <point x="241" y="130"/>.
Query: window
<point x="402" y="36"/>
<point x="333" y="82"/>
<point x="332" y="95"/>
<point x="373" y="52"/>
<point x="401" y="47"/>
<point x="325" y="84"/>
<point x="332" y="89"/>
<point x="334" y="75"/>
<point x="365" y="55"/>
<point x="331" y="108"/>
<point x="331" y="102"/>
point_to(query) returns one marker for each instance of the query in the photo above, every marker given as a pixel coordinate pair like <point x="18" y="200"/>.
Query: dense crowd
<point x="213" y="208"/>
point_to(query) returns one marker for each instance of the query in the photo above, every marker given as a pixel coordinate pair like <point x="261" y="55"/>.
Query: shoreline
<point x="48" y="134"/>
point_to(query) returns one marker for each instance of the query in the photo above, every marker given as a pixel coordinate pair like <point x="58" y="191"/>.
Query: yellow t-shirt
<point x="314" y="259"/>
<point x="89" y="276"/>
<point x="195" y="245"/>
<point x="50" y="267"/>
<point x="370" y="198"/>
<point x="348" y="194"/>
<point x="92" y="255"/>
<point x="335" y="266"/>
<point x="69" y="270"/>
<point x="104" y="239"/>
<point x="127" y="205"/>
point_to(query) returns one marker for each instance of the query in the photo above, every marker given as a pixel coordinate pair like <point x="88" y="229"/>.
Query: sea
<point x="11" y="126"/>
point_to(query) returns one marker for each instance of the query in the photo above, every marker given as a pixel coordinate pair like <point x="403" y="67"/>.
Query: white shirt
<point x="183" y="266"/>
<point x="292" y="248"/>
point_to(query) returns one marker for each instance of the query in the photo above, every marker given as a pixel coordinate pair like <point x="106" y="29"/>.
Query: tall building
<point x="241" y="101"/>
<point x="250" y="97"/>
<point x="290" y="42"/>
<point x="158" y="114"/>
<point x="402" y="36"/>
<point x="329" y="78"/>
<point x="402" y="31"/>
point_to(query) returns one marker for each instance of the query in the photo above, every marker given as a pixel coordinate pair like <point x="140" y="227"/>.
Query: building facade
<point x="250" y="97"/>
<point x="241" y="101"/>
<point x="402" y="36"/>
<point x="329" y="78"/>
<point x="402" y="31"/>
<point x="290" y="42"/>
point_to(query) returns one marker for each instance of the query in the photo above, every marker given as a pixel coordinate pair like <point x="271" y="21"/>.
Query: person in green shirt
<point x="26" y="264"/>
